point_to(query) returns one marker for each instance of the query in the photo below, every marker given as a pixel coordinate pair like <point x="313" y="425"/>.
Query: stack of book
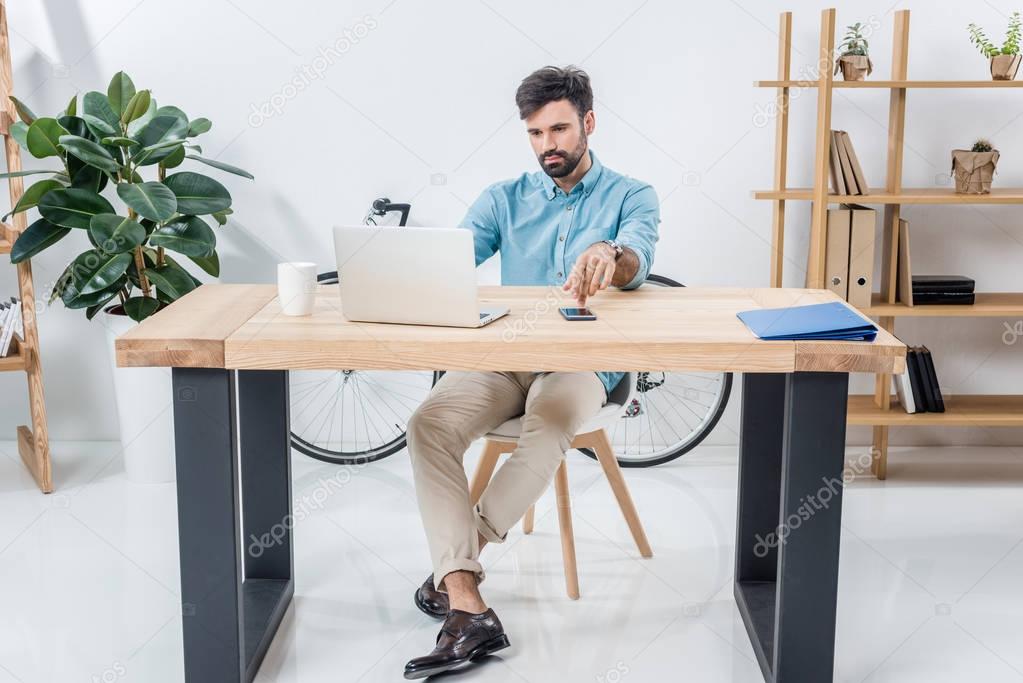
<point x="917" y="387"/>
<point x="10" y="325"/>
<point x="942" y="289"/>
<point x="846" y="175"/>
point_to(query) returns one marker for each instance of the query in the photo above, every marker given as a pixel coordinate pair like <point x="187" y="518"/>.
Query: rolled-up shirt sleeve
<point x="641" y="214"/>
<point x="481" y="218"/>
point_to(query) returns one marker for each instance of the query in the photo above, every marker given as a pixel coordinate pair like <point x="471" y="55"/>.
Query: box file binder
<point x="861" y="181"/>
<point x="861" y="255"/>
<point x="836" y="255"/>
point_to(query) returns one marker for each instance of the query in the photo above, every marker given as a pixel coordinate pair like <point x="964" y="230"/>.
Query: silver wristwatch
<point x="614" y="245"/>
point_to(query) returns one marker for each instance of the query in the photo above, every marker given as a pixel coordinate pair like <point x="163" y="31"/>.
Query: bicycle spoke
<point x="350" y="414"/>
<point x="672" y="411"/>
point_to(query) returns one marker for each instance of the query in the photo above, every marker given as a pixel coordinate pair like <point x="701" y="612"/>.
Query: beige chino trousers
<point x="462" y="407"/>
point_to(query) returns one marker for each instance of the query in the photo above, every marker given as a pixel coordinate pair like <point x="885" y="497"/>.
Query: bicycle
<point x="670" y="414"/>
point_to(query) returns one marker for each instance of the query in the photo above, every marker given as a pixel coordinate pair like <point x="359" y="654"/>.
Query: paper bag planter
<point x="854" y="67"/>
<point x="1004" y="67"/>
<point x="973" y="170"/>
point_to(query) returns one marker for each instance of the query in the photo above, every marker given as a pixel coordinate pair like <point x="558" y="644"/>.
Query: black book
<point x="932" y="378"/>
<point x="921" y="377"/>
<point x="962" y="298"/>
<point x="925" y="381"/>
<point x="942" y="283"/>
<point x="915" y="380"/>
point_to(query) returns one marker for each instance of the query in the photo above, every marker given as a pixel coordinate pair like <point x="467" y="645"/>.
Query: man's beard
<point x="569" y="160"/>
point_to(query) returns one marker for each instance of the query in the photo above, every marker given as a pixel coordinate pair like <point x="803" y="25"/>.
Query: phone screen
<point x="577" y="313"/>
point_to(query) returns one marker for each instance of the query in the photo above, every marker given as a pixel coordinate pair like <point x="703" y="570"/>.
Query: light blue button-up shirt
<point x="541" y="231"/>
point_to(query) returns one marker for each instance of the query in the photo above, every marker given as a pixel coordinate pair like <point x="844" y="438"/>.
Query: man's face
<point x="559" y="137"/>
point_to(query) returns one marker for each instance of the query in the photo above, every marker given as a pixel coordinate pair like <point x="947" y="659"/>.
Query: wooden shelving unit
<point x="33" y="443"/>
<point x="881" y="410"/>
<point x="960" y="411"/>
<point x="923" y="195"/>
<point x="890" y="84"/>
<point x="987" y="305"/>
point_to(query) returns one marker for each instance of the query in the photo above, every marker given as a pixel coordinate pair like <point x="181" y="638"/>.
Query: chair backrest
<point x="622" y="393"/>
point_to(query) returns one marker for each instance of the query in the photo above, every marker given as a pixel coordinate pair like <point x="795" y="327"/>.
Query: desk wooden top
<point x="652" y="328"/>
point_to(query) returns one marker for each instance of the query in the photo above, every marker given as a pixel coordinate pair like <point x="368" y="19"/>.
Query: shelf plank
<point x="7" y="237"/>
<point x="986" y="305"/>
<point x="965" y="410"/>
<point x="15" y="361"/>
<point x="889" y="84"/>
<point x="919" y="195"/>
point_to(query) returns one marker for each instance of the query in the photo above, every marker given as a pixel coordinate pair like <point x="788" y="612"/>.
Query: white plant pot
<point x="146" y="418"/>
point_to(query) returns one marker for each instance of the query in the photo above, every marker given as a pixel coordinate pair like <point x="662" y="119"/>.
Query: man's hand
<point x="593" y="271"/>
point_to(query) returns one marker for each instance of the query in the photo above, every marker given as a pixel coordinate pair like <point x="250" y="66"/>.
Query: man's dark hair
<point x="552" y="83"/>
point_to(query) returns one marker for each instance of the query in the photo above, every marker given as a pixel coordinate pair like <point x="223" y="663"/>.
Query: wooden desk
<point x="231" y="348"/>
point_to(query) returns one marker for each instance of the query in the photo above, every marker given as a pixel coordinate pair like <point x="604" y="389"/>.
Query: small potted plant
<point x="854" y="60"/>
<point x="974" y="168"/>
<point x="1005" y="59"/>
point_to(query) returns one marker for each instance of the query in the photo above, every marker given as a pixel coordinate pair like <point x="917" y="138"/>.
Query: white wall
<point x="420" y="107"/>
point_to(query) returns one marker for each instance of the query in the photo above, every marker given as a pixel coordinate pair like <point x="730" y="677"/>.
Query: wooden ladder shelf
<point x="33" y="444"/>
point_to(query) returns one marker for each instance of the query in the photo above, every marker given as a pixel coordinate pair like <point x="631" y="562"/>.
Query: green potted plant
<point x="854" y="59"/>
<point x="104" y="146"/>
<point x="974" y="168"/>
<point x="1005" y="59"/>
<point x="118" y="183"/>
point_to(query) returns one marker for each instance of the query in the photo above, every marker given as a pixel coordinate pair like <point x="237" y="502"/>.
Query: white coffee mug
<point x="296" y="287"/>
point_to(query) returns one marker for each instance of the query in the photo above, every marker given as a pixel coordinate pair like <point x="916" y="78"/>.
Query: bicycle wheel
<point x="353" y="416"/>
<point x="670" y="413"/>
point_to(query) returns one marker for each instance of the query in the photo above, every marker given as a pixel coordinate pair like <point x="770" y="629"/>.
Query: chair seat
<point x="605" y="417"/>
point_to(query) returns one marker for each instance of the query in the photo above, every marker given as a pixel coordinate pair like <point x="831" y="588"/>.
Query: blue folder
<point x="814" y="322"/>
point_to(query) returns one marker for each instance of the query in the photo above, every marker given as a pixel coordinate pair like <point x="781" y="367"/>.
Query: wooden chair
<point x="592" y="435"/>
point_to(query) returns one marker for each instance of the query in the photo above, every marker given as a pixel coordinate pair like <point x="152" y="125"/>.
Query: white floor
<point x="930" y="584"/>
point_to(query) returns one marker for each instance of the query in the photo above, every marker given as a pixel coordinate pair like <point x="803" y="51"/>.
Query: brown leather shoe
<point x="463" y="638"/>
<point x="430" y="600"/>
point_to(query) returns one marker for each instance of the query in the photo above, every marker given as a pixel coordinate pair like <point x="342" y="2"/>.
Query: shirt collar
<point x="586" y="184"/>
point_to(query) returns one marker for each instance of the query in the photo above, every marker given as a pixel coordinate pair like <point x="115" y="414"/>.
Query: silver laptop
<point x="417" y="276"/>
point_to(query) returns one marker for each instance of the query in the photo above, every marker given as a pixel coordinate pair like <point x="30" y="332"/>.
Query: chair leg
<point x="527" y="521"/>
<point x="567" y="537"/>
<point x="606" y="456"/>
<point x="485" y="469"/>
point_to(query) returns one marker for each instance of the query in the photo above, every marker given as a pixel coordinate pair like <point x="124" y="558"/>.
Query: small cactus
<point x="982" y="145"/>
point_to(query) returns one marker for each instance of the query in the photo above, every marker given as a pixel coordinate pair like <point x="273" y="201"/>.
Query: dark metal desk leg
<point x="811" y="509"/>
<point x="792" y="449"/>
<point x="228" y="425"/>
<point x="208" y="524"/>
<point x="267" y="513"/>
<point x="761" y="431"/>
